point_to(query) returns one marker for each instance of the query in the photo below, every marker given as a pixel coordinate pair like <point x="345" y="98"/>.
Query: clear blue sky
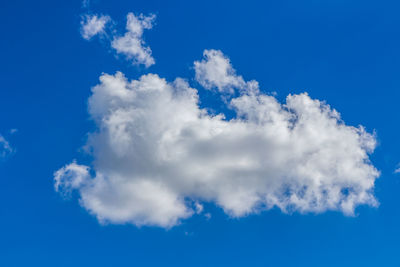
<point x="344" y="52"/>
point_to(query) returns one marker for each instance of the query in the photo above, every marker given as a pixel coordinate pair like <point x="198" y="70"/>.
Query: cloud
<point x="70" y="177"/>
<point x="92" y="25"/>
<point x="158" y="155"/>
<point x="215" y="71"/>
<point x="132" y="44"/>
<point x="198" y="207"/>
<point x="397" y="170"/>
<point x="5" y="148"/>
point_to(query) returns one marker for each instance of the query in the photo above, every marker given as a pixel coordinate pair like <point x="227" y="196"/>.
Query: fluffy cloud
<point x="158" y="156"/>
<point x="70" y="177"/>
<point x="92" y="25"/>
<point x="131" y="44"/>
<point x="5" y="148"/>
<point x="215" y="71"/>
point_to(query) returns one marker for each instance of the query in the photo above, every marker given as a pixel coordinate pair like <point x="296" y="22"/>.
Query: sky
<point x="199" y="133"/>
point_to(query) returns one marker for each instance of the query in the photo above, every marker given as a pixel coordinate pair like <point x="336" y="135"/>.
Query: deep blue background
<point x="344" y="52"/>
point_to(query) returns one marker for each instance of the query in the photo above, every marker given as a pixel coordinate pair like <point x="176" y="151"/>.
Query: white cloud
<point x="198" y="207"/>
<point x="70" y="177"/>
<point x="131" y="44"/>
<point x="92" y="25"/>
<point x="215" y="71"/>
<point x="5" y="148"/>
<point x="157" y="155"/>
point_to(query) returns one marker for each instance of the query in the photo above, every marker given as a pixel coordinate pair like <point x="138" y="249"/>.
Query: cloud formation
<point x="92" y="25"/>
<point x="158" y="155"/>
<point x="132" y="44"/>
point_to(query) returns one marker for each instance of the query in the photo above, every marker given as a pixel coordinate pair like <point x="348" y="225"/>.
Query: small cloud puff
<point x="92" y="25"/>
<point x="131" y="44"/>
<point x="397" y="170"/>
<point x="215" y="71"/>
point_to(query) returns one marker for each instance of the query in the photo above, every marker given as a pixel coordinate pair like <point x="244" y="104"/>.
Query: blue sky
<point x="346" y="54"/>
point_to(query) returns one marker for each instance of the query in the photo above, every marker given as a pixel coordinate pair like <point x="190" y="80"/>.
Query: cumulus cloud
<point x="5" y="148"/>
<point x="158" y="155"/>
<point x="132" y="44"/>
<point x="92" y="25"/>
